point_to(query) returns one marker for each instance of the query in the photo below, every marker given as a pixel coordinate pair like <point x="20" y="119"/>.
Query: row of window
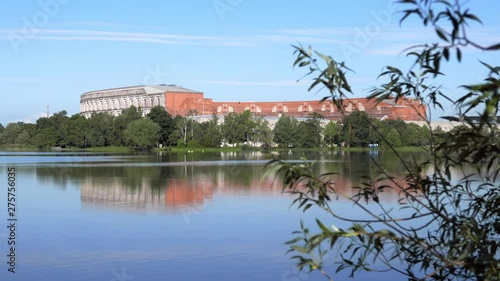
<point x="121" y="103"/>
<point x="279" y="108"/>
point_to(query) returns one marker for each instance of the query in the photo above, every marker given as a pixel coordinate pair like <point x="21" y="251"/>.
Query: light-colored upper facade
<point x="115" y="100"/>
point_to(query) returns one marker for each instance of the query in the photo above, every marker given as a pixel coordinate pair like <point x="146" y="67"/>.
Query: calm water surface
<point x="187" y="216"/>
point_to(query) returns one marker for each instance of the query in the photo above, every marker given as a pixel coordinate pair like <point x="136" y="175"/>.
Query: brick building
<point x="181" y="101"/>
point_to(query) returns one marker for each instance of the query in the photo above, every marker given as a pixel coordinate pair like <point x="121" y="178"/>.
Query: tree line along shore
<point x="236" y="130"/>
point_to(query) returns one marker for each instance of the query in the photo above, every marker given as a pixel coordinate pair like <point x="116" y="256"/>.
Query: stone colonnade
<point x="114" y="104"/>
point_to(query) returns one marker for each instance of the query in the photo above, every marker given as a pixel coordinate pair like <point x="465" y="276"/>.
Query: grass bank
<point x="114" y="149"/>
<point x="123" y="149"/>
<point x="14" y="147"/>
<point x="199" y="149"/>
<point x="412" y="149"/>
<point x="361" y="149"/>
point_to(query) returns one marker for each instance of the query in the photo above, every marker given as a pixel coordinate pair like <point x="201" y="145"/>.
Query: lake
<point x="163" y="216"/>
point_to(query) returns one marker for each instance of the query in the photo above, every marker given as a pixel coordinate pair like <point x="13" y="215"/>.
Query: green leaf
<point x="304" y="63"/>
<point x="437" y="62"/>
<point x="491" y="68"/>
<point x="322" y="226"/>
<point x="293" y="241"/>
<point x="493" y="47"/>
<point x="441" y="33"/>
<point x="446" y="54"/>
<point x="471" y="16"/>
<point x="307" y="207"/>
<point x="300" y="249"/>
<point x="451" y="118"/>
<point x="327" y="59"/>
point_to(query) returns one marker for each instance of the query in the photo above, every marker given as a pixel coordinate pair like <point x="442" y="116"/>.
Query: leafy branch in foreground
<point x="332" y="77"/>
<point x="447" y="224"/>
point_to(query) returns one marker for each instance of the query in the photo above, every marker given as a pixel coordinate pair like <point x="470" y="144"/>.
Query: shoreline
<point x="120" y="149"/>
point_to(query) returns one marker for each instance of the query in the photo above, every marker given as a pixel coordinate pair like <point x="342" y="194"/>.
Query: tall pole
<point x="47" y="111"/>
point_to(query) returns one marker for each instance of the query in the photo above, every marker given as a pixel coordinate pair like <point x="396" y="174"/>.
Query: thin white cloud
<point x="120" y="39"/>
<point x="249" y="39"/>
<point x="334" y="35"/>
<point x="283" y="83"/>
<point x="94" y="35"/>
<point x="105" y="24"/>
<point x="73" y="32"/>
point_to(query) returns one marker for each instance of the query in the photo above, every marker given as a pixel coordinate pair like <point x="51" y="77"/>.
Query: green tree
<point x="160" y="116"/>
<point x="449" y="226"/>
<point x="356" y="129"/>
<point x="101" y="130"/>
<point x="237" y="127"/>
<point x="184" y="131"/>
<point x="333" y="133"/>
<point x="409" y="136"/>
<point x="10" y="133"/>
<point x="309" y="133"/>
<point x="51" y="132"/>
<point x="142" y="133"/>
<point x="261" y="132"/>
<point x="1" y="128"/>
<point x="424" y="136"/>
<point x="394" y="138"/>
<point x="26" y="137"/>
<point x="77" y="131"/>
<point x="211" y="135"/>
<point x="46" y="137"/>
<point x="286" y="131"/>
<point x="58" y="123"/>
<point x="384" y="127"/>
<point x="120" y="124"/>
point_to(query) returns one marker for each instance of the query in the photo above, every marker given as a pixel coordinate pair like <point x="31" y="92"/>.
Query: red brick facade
<point x="186" y="103"/>
<point x="194" y="103"/>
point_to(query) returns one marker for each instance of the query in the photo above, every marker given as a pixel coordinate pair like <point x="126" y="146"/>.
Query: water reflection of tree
<point x="132" y="177"/>
<point x="191" y="176"/>
<point x="230" y="169"/>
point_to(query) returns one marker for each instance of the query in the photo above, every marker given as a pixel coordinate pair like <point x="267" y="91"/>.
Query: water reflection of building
<point x="112" y="193"/>
<point x="117" y="195"/>
<point x="174" y="194"/>
<point x="388" y="190"/>
<point x="179" y="194"/>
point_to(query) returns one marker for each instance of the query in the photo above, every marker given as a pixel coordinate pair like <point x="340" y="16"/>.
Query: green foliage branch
<point x="447" y="226"/>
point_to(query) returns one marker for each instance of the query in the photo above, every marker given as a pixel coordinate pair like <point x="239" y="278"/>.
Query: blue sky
<point x="52" y="51"/>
